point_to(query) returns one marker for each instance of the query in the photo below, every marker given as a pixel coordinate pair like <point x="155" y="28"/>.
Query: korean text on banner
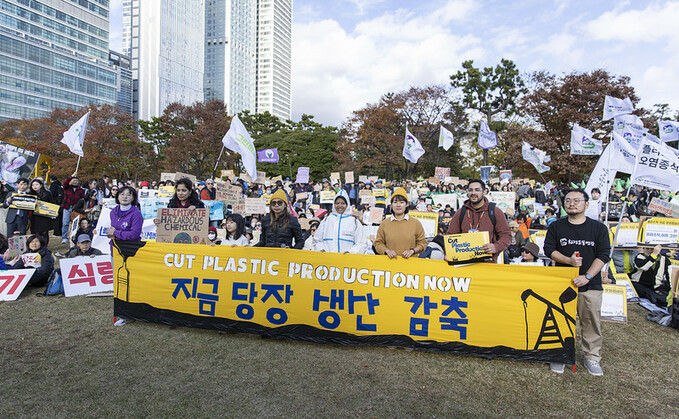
<point x="13" y="282"/>
<point x="350" y="299"/>
<point x="87" y="275"/>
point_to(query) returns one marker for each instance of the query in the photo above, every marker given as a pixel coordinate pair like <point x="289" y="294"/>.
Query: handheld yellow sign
<point x="466" y="247"/>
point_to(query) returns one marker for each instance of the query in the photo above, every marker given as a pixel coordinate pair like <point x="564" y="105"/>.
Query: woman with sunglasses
<point x="278" y="227"/>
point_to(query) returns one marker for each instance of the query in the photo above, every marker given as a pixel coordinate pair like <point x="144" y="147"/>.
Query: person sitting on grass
<point x="43" y="262"/>
<point x="83" y="248"/>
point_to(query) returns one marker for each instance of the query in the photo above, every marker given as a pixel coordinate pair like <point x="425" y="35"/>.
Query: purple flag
<point x="268" y="155"/>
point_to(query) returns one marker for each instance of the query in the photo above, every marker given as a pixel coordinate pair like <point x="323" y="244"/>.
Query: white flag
<point x="583" y="143"/>
<point x="446" y="139"/>
<point x="237" y="139"/>
<point x="652" y="138"/>
<point x="74" y="138"/>
<point x="656" y="167"/>
<point x="633" y="135"/>
<point x="624" y="155"/>
<point x="536" y="157"/>
<point x="669" y="130"/>
<point x="601" y="175"/>
<point x="487" y="138"/>
<point x="622" y="121"/>
<point x="412" y="149"/>
<point x="614" y="107"/>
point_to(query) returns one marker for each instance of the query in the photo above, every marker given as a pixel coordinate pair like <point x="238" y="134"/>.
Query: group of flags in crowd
<point x="632" y="149"/>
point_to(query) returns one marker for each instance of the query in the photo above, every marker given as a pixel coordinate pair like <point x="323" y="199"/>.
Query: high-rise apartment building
<point x="53" y="54"/>
<point x="167" y="40"/>
<point x="230" y="53"/>
<point x="123" y="68"/>
<point x="248" y="54"/>
<point x="127" y="28"/>
<point x="274" y="56"/>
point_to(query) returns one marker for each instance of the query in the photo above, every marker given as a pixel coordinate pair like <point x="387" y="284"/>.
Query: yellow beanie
<point x="280" y="194"/>
<point x="399" y="192"/>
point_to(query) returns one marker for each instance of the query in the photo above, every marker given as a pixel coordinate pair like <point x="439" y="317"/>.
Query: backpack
<point x="55" y="285"/>
<point x="491" y="214"/>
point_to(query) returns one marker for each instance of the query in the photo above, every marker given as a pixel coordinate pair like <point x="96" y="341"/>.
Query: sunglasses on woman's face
<point x="277" y="203"/>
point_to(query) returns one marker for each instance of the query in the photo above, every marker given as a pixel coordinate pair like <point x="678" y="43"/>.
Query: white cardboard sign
<point x="13" y="282"/>
<point x="87" y="275"/>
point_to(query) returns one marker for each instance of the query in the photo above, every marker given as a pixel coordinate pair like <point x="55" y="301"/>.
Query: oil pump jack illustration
<point x="549" y="331"/>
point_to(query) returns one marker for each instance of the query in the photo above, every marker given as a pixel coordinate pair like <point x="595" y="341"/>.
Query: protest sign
<point x="304" y="223"/>
<point x="335" y="175"/>
<point x="444" y="199"/>
<point x="614" y="209"/>
<point x="239" y="208"/>
<point x="216" y="209"/>
<point x="441" y="172"/>
<point x="659" y="230"/>
<point x="278" y="178"/>
<point x="266" y="198"/>
<point x="302" y="175"/>
<point x="369" y="200"/>
<point x="227" y="174"/>
<point x="246" y="178"/>
<point x="506" y="175"/>
<point x="180" y="175"/>
<point x="327" y="197"/>
<point x="255" y="206"/>
<point x="181" y="225"/>
<point x="376" y="215"/>
<point x="539" y="239"/>
<point x="17" y="246"/>
<point x="47" y="209"/>
<point x="670" y="209"/>
<point x="149" y="206"/>
<point x="429" y="221"/>
<point x="363" y="179"/>
<point x="301" y="196"/>
<point x="466" y="247"/>
<point x="527" y="202"/>
<point x="23" y="201"/>
<point x="503" y="200"/>
<point x="166" y="191"/>
<point x="229" y="194"/>
<point x="627" y="234"/>
<point x="631" y="292"/>
<point x="16" y="163"/>
<point x="261" y="177"/>
<point x="614" y="303"/>
<point x="86" y="275"/>
<point x="414" y="302"/>
<point x="31" y="260"/>
<point x="349" y="177"/>
<point x="146" y="193"/>
<point x="164" y="177"/>
<point x="434" y="180"/>
<point x="13" y="282"/>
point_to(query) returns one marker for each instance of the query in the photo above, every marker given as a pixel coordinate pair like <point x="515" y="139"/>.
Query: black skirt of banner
<point x="305" y="333"/>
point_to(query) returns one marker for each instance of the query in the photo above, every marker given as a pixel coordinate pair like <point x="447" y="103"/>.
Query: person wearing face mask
<point x="399" y="234"/>
<point x="212" y="236"/>
<point x="126" y="218"/>
<point x="340" y="232"/>
<point x="475" y="215"/>
<point x="278" y="227"/>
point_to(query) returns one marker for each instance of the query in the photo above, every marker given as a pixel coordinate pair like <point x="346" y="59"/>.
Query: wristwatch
<point x="588" y="276"/>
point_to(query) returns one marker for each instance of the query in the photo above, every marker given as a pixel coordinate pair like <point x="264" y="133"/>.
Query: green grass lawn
<point x="62" y="357"/>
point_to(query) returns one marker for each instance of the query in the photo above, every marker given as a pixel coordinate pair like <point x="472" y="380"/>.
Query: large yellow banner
<point x="522" y="312"/>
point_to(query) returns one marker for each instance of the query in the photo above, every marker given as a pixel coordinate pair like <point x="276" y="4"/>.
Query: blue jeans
<point x="65" y="223"/>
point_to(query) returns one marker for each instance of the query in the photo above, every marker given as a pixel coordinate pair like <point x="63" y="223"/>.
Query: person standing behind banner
<point x="126" y="218"/>
<point x="381" y="195"/>
<point x="72" y="194"/>
<point x="340" y="232"/>
<point x="209" y="193"/>
<point x="584" y="243"/>
<point x="399" y="234"/>
<point x="474" y="215"/>
<point x="40" y="224"/>
<point x="185" y="196"/>
<point x="17" y="220"/>
<point x="235" y="231"/>
<point x="278" y="227"/>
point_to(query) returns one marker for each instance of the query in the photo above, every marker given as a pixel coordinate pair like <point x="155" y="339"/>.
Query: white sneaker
<point x="120" y="322"/>
<point x="594" y="368"/>
<point x="557" y="367"/>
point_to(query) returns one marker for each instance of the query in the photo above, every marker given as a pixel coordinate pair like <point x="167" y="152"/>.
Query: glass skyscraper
<point x="124" y="88"/>
<point x="167" y="39"/>
<point x="54" y="54"/>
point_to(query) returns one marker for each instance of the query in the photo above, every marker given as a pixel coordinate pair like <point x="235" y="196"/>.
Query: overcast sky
<point x="347" y="53"/>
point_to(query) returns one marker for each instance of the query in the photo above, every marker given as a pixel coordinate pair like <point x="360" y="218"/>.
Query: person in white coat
<point x="340" y="232"/>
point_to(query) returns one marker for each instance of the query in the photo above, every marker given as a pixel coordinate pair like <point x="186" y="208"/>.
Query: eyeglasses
<point x="209" y="183"/>
<point x="573" y="201"/>
<point x="277" y="203"/>
<point x="524" y="251"/>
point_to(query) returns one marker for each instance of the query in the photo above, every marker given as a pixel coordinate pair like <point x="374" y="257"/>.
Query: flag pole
<point x="617" y="230"/>
<point x="214" y="171"/>
<point x="77" y="166"/>
<point x="608" y="182"/>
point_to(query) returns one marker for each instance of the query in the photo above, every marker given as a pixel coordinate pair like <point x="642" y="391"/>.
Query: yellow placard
<point x="166" y="191"/>
<point x="327" y="197"/>
<point x="659" y="230"/>
<point x="23" y="201"/>
<point x="47" y="209"/>
<point x="466" y="246"/>
<point x="429" y="221"/>
<point x="494" y="309"/>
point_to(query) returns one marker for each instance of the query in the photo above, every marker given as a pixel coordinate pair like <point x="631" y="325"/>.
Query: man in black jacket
<point x="582" y="242"/>
<point x="57" y="192"/>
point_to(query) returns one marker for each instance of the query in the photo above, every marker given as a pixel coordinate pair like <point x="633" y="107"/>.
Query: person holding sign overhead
<point x="278" y="227"/>
<point x="399" y="234"/>
<point x="479" y="214"/>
